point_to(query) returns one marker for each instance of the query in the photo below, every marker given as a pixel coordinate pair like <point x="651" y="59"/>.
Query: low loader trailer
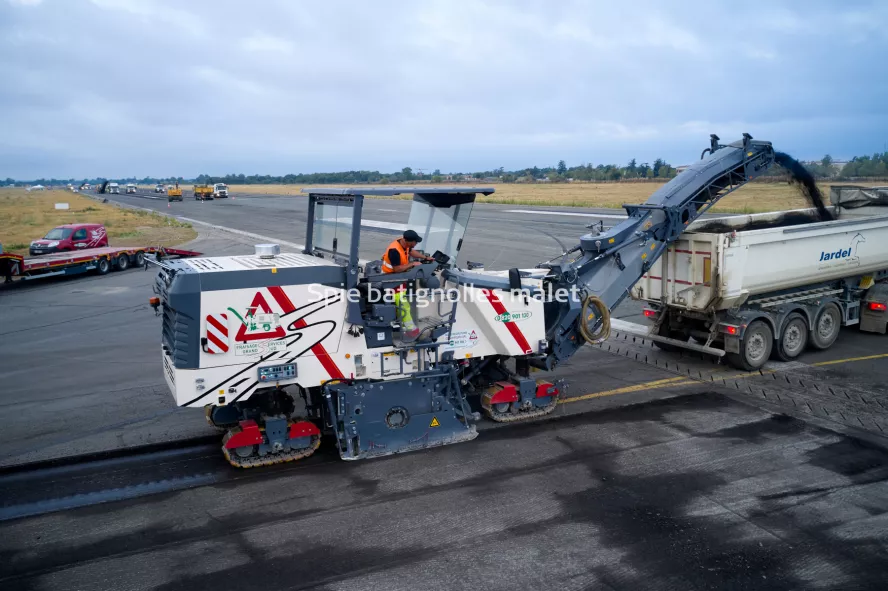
<point x="753" y="288"/>
<point x="280" y="349"/>
<point x="101" y="260"/>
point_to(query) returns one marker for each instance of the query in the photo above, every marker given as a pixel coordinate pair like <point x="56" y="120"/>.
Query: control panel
<point x="275" y="373"/>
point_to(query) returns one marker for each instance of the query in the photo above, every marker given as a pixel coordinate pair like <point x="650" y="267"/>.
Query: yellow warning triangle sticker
<point x="434" y="422"/>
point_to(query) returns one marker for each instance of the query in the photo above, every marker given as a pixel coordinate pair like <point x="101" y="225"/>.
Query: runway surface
<point x="659" y="471"/>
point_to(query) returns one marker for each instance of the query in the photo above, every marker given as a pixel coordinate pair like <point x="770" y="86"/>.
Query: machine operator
<point x="396" y="259"/>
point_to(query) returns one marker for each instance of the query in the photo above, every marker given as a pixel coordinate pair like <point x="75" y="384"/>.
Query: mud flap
<point x="732" y="344"/>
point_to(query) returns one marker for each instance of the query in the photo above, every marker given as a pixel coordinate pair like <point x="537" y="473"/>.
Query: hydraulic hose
<point x="601" y="313"/>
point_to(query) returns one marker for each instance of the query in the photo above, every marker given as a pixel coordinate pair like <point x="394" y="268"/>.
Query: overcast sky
<point x="134" y="87"/>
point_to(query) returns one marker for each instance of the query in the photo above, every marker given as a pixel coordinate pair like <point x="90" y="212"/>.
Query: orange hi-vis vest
<point x="387" y="266"/>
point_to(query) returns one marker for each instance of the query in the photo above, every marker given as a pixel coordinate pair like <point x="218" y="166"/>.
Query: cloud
<point x="111" y="87"/>
<point x="267" y="43"/>
<point x="155" y="13"/>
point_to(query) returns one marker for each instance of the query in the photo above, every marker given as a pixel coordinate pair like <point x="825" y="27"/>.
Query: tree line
<point x="859" y="167"/>
<point x="660" y="169"/>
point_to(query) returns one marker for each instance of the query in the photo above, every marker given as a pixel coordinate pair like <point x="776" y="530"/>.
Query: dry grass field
<point x="27" y="216"/>
<point x="752" y="198"/>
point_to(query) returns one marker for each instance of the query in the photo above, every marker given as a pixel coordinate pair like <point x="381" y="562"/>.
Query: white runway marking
<point x="386" y="225"/>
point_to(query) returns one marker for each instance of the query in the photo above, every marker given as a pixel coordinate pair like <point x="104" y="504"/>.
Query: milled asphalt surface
<point x="689" y="488"/>
<point x="696" y="492"/>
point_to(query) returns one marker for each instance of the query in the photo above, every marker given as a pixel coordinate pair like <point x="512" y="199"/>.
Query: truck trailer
<point x="751" y="288"/>
<point x="101" y="260"/>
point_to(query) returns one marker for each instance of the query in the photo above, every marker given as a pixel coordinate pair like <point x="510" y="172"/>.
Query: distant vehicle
<point x="203" y="192"/>
<point x="36" y="188"/>
<point x="70" y="237"/>
<point x="174" y="193"/>
<point x="130" y="188"/>
<point x="84" y="187"/>
<point x="158" y="188"/>
<point x="113" y="188"/>
<point x="220" y="190"/>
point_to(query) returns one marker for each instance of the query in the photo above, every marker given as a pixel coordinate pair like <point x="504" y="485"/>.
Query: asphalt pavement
<point x="694" y="492"/>
<point x="657" y="471"/>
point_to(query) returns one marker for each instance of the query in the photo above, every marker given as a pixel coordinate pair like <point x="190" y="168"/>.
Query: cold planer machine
<point x="280" y="349"/>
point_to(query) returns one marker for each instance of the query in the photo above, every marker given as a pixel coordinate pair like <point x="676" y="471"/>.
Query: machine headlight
<point x="56" y="243"/>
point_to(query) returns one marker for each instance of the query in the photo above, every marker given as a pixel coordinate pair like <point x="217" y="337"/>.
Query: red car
<point x="71" y="237"/>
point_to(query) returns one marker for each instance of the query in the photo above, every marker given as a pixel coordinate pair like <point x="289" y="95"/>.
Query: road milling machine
<point x="282" y="349"/>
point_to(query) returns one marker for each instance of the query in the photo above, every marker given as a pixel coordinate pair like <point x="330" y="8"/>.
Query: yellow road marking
<point x="667" y="383"/>
<point x="683" y="381"/>
<point x="850" y="359"/>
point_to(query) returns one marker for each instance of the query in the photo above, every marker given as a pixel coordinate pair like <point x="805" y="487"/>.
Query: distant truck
<point x="70" y="237"/>
<point x="203" y="192"/>
<point x="158" y="188"/>
<point x="220" y="190"/>
<point x="750" y="288"/>
<point x="113" y="188"/>
<point x="174" y="193"/>
<point x="130" y="188"/>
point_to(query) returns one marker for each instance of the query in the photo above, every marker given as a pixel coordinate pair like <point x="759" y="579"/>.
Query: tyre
<point x="664" y="331"/>
<point x="755" y="348"/>
<point x="103" y="265"/>
<point x="139" y="259"/>
<point x="793" y="339"/>
<point x="827" y="325"/>
<point x="123" y="262"/>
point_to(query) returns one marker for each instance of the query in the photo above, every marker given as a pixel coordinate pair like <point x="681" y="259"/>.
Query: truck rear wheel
<point x="827" y="324"/>
<point x="123" y="262"/>
<point x="755" y="348"/>
<point x="793" y="339"/>
<point x="103" y="265"/>
<point x="139" y="259"/>
<point x="664" y="331"/>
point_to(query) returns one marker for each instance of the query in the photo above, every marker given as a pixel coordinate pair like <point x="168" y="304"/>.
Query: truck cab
<point x="158" y="188"/>
<point x="113" y="188"/>
<point x="220" y="190"/>
<point x="130" y="188"/>
<point x="70" y="237"/>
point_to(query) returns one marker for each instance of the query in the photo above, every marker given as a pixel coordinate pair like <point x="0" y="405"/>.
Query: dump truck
<point x="220" y="190"/>
<point x="203" y="192"/>
<point x="174" y="193"/>
<point x="770" y="285"/>
<point x="279" y="350"/>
